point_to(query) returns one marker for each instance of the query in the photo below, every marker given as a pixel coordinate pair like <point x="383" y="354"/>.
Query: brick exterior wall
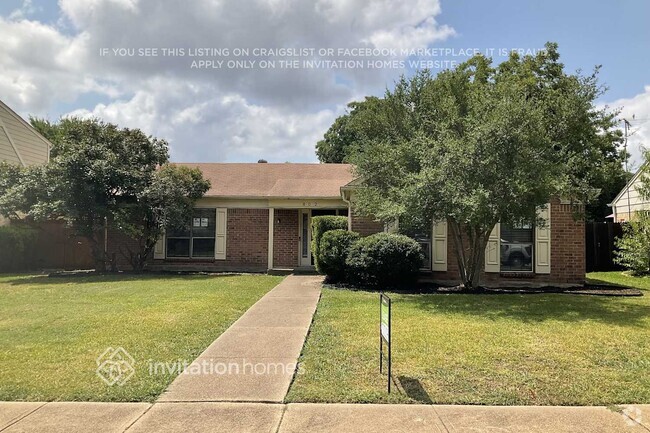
<point x="247" y="238"/>
<point x="568" y="264"/>
<point x="117" y="246"/>
<point x="285" y="238"/>
<point x="365" y="226"/>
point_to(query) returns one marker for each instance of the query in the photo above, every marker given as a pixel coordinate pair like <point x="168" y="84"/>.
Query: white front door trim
<point x="304" y="249"/>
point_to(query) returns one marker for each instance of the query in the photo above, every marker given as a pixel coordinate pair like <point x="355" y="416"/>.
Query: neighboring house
<point x="629" y="200"/>
<point x="20" y="143"/>
<point x="55" y="246"/>
<point x="257" y="217"/>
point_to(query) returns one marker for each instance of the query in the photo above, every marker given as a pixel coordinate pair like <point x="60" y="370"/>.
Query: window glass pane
<point x="178" y="247"/>
<point x="203" y="223"/>
<point x="425" y="244"/>
<point x="203" y="247"/>
<point x="182" y="232"/>
<point x="516" y="249"/>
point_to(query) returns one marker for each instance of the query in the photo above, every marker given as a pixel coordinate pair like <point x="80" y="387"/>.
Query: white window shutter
<point x="220" y="235"/>
<point x="159" y="248"/>
<point x="439" y="246"/>
<point x="542" y="250"/>
<point x="493" y="250"/>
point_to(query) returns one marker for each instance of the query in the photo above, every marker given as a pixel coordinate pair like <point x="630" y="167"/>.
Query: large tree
<point x="165" y="203"/>
<point x="364" y="120"/>
<point x="99" y="174"/>
<point x="482" y="144"/>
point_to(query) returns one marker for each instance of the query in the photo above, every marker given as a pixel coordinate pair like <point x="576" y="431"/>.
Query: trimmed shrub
<point x="16" y="241"/>
<point x="320" y="225"/>
<point x="333" y="251"/>
<point x="634" y="246"/>
<point x="384" y="260"/>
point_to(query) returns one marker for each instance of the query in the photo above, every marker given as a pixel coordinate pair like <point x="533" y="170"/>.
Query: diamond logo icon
<point x="115" y="366"/>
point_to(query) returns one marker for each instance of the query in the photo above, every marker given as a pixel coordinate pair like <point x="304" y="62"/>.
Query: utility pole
<point x="626" y="126"/>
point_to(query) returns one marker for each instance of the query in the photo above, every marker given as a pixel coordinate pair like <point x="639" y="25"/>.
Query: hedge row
<point x="16" y="242"/>
<point x="320" y="225"/>
<point x="379" y="260"/>
<point x="384" y="260"/>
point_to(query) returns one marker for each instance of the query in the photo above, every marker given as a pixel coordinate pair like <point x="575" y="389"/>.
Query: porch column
<point x="270" y="248"/>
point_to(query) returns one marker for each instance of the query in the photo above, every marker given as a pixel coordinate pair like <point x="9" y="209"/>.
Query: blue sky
<point x="613" y="34"/>
<point x="245" y="115"/>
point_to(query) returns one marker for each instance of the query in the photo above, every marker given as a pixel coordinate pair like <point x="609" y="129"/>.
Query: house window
<point x="517" y="248"/>
<point x="195" y="241"/>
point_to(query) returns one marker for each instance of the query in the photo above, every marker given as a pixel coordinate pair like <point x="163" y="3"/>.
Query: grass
<point x="553" y="349"/>
<point x="53" y="329"/>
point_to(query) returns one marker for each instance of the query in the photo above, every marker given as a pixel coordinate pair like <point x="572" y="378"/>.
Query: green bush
<point x="333" y="251"/>
<point x="320" y="225"/>
<point x="15" y="242"/>
<point x="384" y="260"/>
<point x="634" y="246"/>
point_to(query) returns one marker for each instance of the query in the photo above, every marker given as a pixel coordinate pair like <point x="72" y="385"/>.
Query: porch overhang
<point x="272" y="202"/>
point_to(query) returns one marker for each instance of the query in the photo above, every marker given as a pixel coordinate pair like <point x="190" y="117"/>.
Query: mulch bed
<point x="429" y="288"/>
<point x="587" y="289"/>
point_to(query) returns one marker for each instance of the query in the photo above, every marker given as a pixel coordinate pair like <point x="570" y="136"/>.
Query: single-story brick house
<point x="257" y="217"/>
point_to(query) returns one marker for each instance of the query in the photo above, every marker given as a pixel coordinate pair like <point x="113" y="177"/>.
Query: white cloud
<point x="637" y="111"/>
<point x="203" y="125"/>
<point x="207" y="114"/>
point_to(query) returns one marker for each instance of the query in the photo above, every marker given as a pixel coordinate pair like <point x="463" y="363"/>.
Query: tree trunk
<point x="97" y="250"/>
<point x="470" y="258"/>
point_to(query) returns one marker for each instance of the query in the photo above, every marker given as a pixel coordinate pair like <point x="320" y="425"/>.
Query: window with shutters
<point x="517" y="248"/>
<point x="195" y="241"/>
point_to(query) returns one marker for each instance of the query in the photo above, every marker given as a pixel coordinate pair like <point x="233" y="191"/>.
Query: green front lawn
<point x="551" y="349"/>
<point x="53" y="329"/>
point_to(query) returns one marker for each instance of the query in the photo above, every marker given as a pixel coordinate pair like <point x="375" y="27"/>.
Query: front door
<point x="305" y="237"/>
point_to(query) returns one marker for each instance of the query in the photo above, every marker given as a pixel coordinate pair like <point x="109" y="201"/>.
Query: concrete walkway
<point x="254" y="360"/>
<point x="319" y="418"/>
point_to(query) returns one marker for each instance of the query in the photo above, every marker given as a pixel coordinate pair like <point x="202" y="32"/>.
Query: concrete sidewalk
<point x="321" y="418"/>
<point x="254" y="360"/>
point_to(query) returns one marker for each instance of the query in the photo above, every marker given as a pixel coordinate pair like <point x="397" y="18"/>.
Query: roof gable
<point x="630" y="184"/>
<point x="19" y="142"/>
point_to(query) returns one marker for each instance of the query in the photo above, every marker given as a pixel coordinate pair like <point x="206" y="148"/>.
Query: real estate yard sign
<point x="384" y="334"/>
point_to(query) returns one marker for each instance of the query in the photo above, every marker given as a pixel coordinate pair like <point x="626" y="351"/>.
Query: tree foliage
<point x="319" y="226"/>
<point x="482" y="144"/>
<point x="364" y="121"/>
<point x="100" y="173"/>
<point x="333" y="252"/>
<point x="633" y="248"/>
<point x="383" y="260"/>
<point x="165" y="203"/>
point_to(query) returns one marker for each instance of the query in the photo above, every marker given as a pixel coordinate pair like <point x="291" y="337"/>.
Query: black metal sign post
<point x="384" y="334"/>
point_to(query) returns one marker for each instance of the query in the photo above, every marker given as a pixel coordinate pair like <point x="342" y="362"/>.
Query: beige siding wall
<point x="7" y="152"/>
<point x="18" y="140"/>
<point x="636" y="202"/>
